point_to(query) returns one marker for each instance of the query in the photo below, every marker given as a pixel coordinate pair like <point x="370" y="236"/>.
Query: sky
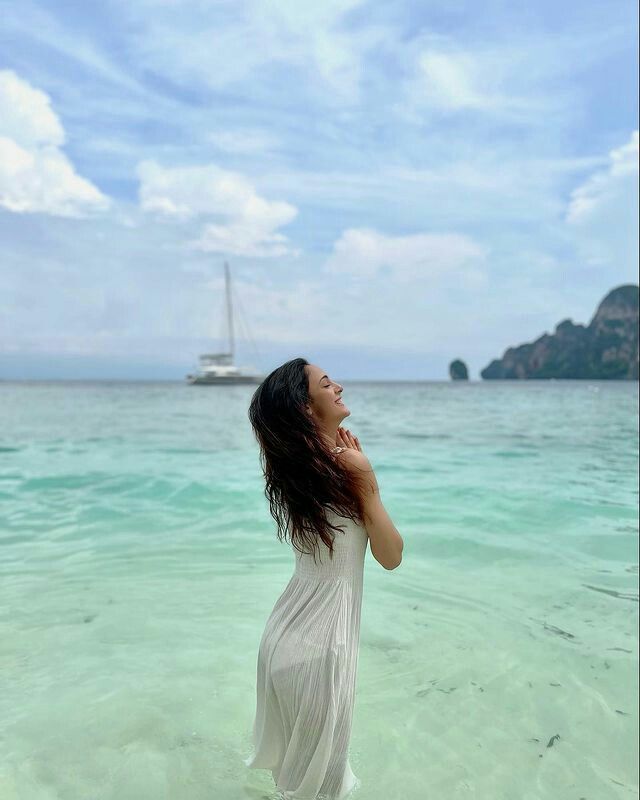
<point x="394" y="185"/>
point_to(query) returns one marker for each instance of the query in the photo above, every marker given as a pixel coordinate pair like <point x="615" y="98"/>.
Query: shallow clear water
<point x="139" y="564"/>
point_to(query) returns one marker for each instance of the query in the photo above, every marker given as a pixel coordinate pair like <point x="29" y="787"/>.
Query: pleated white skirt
<point x="306" y="674"/>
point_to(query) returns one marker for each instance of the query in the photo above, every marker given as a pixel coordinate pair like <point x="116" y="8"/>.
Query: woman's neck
<point x="329" y="437"/>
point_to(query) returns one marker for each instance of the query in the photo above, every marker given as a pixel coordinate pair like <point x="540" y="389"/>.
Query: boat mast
<point x="227" y="281"/>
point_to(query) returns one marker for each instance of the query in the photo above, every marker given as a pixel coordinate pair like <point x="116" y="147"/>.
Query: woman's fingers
<point x="347" y="439"/>
<point x="350" y="439"/>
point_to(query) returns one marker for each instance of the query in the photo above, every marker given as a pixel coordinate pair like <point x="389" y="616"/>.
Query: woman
<point x="316" y="476"/>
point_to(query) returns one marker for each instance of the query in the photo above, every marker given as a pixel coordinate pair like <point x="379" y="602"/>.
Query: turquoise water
<point x="139" y="564"/>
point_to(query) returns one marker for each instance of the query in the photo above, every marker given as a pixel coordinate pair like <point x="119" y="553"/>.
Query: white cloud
<point x="27" y="116"/>
<point x="450" y="81"/>
<point x="434" y="257"/>
<point x="606" y="186"/>
<point x="525" y="79"/>
<point x="251" y="238"/>
<point x="246" y="223"/>
<point x="602" y="214"/>
<point x="35" y="175"/>
<point x="226" y="44"/>
<point x="312" y="34"/>
<point x="243" y="142"/>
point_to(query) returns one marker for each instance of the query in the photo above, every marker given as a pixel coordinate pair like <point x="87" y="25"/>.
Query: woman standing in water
<point x="316" y="476"/>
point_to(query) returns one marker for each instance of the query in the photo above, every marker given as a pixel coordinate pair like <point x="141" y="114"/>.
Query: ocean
<point x="139" y="563"/>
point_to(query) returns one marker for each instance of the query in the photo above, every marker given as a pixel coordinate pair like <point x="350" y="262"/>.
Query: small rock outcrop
<point x="607" y="348"/>
<point x="458" y="371"/>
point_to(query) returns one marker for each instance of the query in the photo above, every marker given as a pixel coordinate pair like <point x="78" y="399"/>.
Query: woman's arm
<point x="386" y="542"/>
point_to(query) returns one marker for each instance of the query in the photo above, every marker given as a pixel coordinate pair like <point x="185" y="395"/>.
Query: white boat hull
<point x="218" y="380"/>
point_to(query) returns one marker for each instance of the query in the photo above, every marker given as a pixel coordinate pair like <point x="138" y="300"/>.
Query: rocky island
<point x="458" y="370"/>
<point x="607" y="348"/>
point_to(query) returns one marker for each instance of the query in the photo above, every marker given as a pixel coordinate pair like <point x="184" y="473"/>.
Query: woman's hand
<point x="344" y="438"/>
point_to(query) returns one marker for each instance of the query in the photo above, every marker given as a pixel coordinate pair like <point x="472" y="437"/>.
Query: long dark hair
<point x="303" y="478"/>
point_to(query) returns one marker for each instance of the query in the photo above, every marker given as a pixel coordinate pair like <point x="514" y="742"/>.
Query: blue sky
<point x="394" y="185"/>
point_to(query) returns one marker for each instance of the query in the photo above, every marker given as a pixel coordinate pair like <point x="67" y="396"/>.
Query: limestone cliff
<point x="607" y="348"/>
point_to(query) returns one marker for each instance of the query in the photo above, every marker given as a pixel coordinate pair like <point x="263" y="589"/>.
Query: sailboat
<point x="219" y="368"/>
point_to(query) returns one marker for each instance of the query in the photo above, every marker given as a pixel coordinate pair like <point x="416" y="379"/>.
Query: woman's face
<point x="324" y="397"/>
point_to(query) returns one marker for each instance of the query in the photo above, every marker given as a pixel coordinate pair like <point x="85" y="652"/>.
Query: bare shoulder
<point x="355" y="459"/>
<point x="358" y="464"/>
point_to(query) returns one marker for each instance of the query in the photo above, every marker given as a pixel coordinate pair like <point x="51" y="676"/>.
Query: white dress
<point x="306" y="671"/>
